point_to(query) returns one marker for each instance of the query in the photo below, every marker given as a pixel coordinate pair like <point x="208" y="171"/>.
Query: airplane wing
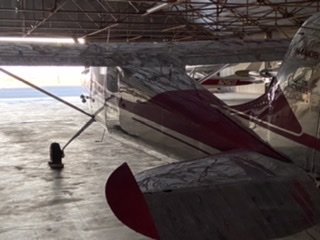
<point x="233" y="195"/>
<point x="141" y="54"/>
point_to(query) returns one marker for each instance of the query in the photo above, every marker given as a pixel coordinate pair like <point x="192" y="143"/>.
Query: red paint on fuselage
<point x="276" y="111"/>
<point x="199" y="115"/>
<point x="276" y="116"/>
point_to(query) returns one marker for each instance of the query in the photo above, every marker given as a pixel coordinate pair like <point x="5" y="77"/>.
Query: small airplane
<point x="246" y="76"/>
<point x="246" y="172"/>
<point x="250" y="168"/>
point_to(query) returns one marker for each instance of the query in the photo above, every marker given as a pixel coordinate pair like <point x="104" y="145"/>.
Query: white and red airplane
<point x="248" y="177"/>
<point x="250" y="168"/>
<point x="246" y="76"/>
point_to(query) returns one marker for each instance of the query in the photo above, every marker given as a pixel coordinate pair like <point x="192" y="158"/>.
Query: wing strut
<point x="85" y="126"/>
<point x="44" y="91"/>
<point x="56" y="153"/>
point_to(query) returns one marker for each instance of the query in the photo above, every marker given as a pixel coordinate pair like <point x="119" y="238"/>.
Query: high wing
<point x="233" y="195"/>
<point x="141" y="54"/>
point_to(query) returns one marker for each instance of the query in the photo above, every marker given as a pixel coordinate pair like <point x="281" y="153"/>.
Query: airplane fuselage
<point x="188" y="122"/>
<point x="263" y="184"/>
<point x="165" y="108"/>
<point x="185" y="120"/>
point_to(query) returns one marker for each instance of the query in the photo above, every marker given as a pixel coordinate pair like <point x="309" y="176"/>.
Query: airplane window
<point x="148" y="81"/>
<point x="103" y="70"/>
<point x="112" y="79"/>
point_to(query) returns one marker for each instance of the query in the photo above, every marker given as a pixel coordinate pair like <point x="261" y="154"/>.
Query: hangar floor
<point x="38" y="203"/>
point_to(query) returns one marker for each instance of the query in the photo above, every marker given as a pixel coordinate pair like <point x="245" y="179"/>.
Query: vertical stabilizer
<point x="288" y="115"/>
<point x="299" y="83"/>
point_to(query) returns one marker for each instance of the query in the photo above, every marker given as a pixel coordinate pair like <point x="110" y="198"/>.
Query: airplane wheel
<point x="56" y="155"/>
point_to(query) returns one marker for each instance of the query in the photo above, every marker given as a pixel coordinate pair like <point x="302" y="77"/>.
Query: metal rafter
<point x="39" y="23"/>
<point x="87" y="15"/>
<point x="120" y="20"/>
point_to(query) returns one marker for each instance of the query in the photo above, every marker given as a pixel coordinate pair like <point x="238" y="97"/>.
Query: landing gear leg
<point x="56" y="155"/>
<point x="103" y="134"/>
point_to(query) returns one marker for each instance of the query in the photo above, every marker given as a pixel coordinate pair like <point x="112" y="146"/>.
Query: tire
<point x="56" y="154"/>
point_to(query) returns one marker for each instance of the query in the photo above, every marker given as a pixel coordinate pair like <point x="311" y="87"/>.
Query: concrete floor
<point x="39" y="203"/>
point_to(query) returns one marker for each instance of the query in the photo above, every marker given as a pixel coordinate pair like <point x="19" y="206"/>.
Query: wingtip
<point x="128" y="203"/>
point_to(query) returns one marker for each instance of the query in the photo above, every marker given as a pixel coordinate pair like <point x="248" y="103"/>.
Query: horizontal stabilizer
<point x="224" y="196"/>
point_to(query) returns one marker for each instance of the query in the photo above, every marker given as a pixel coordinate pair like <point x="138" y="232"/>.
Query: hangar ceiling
<point x="148" y="20"/>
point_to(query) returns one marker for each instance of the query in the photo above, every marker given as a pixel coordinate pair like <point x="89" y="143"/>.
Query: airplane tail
<point x="288" y="115"/>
